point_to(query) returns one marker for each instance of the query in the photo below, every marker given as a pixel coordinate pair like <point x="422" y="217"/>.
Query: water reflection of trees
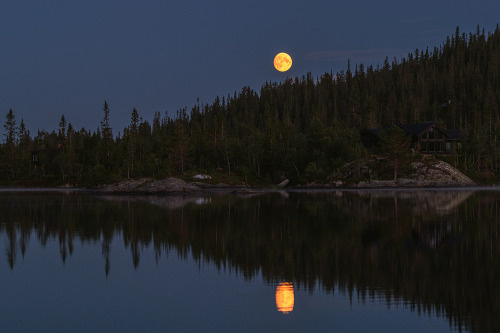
<point x="434" y="251"/>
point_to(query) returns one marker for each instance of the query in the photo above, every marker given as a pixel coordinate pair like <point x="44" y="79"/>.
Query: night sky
<point x="65" y="57"/>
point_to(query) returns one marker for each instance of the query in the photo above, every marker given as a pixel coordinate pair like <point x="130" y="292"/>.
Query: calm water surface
<point x="366" y="261"/>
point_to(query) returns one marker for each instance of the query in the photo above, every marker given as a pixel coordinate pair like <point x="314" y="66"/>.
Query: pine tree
<point x="180" y="142"/>
<point x="24" y="150"/>
<point x="10" y="142"/>
<point x="395" y="145"/>
<point x="132" y="146"/>
<point x="106" y="131"/>
<point x="62" y="130"/>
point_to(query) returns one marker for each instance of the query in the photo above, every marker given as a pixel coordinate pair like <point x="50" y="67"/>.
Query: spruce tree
<point x="106" y="131"/>
<point x="395" y="145"/>
<point x="10" y="142"/>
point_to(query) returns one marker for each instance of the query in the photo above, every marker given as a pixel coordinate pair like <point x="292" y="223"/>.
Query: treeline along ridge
<point x="303" y="128"/>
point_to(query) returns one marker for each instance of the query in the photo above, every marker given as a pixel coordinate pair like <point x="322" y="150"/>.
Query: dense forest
<point x="303" y="128"/>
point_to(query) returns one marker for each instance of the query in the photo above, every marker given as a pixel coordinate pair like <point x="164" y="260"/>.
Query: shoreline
<point x="238" y="190"/>
<point x="437" y="174"/>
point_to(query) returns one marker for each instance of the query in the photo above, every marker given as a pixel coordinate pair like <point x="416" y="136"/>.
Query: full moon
<point x="282" y="62"/>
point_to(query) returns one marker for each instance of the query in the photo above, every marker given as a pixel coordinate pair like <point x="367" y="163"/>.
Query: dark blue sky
<point x="66" y="57"/>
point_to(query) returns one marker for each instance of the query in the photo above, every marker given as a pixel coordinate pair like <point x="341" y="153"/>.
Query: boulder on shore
<point x="427" y="173"/>
<point x="439" y="172"/>
<point x="283" y="183"/>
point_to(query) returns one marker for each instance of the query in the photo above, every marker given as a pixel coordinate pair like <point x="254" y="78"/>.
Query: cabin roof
<point x="415" y="129"/>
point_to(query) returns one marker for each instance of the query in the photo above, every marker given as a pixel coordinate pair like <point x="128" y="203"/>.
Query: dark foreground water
<point x="373" y="261"/>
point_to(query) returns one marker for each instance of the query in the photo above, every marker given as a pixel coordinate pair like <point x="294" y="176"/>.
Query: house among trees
<point x="427" y="138"/>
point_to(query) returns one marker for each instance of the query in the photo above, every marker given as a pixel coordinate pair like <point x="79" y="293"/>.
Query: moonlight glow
<point x="282" y="62"/>
<point x="284" y="297"/>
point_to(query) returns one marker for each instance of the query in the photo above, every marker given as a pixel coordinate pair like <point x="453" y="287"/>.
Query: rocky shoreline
<point x="438" y="174"/>
<point x="169" y="185"/>
<point x="435" y="174"/>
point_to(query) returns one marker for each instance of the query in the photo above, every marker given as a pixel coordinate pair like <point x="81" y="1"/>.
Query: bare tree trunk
<point x="182" y="160"/>
<point x="395" y="169"/>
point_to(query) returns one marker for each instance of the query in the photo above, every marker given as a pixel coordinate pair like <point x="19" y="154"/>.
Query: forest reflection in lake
<point x="434" y="252"/>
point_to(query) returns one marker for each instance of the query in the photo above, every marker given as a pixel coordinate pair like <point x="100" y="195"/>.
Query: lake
<point x="317" y="261"/>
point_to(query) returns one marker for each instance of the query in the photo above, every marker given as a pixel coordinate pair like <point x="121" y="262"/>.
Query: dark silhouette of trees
<point x="106" y="132"/>
<point x="10" y="143"/>
<point x="302" y="128"/>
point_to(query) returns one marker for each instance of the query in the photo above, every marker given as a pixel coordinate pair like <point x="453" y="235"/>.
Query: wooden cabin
<point x="427" y="138"/>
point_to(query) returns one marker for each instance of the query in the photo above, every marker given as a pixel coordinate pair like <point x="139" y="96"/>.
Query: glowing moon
<point x="282" y="62"/>
<point x="284" y="297"/>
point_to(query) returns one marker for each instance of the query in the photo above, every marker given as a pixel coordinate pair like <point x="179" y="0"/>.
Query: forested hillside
<point x="303" y="128"/>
